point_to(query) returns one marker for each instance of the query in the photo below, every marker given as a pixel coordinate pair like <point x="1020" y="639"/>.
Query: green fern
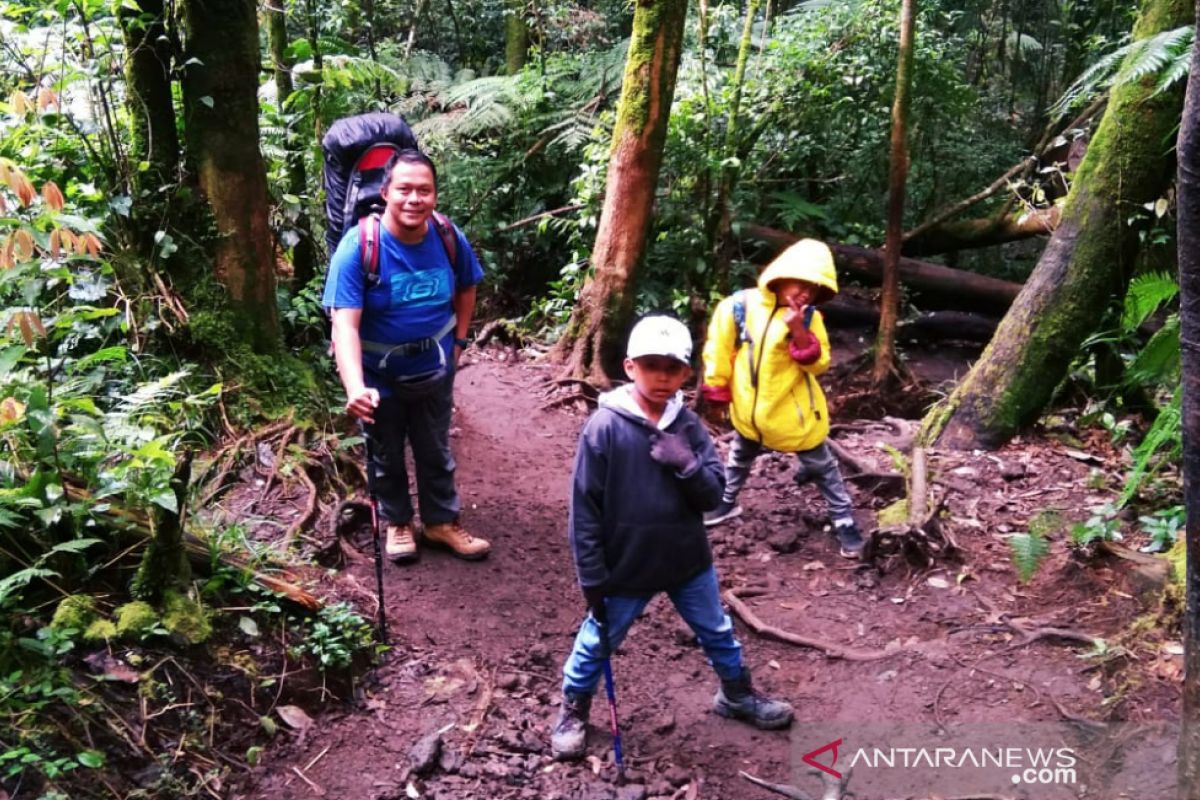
<point x="1166" y="54"/>
<point x="1146" y="294"/>
<point x="1166" y="432"/>
<point x="1028" y="552"/>
<point x="1158" y="362"/>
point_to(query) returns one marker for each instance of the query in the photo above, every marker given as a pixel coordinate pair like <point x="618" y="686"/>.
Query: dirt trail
<point x="484" y="641"/>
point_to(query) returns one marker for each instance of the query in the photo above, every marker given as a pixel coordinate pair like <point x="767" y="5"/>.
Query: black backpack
<point x="356" y="150"/>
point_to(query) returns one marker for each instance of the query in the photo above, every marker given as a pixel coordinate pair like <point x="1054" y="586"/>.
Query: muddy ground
<point x="477" y="647"/>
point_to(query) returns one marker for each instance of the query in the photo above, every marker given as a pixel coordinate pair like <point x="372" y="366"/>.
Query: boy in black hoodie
<point x="645" y="473"/>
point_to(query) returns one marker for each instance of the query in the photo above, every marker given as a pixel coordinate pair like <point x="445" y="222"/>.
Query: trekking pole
<point x="611" y="691"/>
<point x="374" y="501"/>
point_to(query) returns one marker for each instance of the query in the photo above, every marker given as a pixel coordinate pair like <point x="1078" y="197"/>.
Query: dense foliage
<point x="118" y="354"/>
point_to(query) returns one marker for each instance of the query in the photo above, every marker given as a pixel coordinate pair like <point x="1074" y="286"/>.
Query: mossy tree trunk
<point x="153" y="138"/>
<point x="516" y="37"/>
<point x="165" y="566"/>
<point x="304" y="253"/>
<point x="721" y="223"/>
<point x="593" y="343"/>
<point x="1188" y="228"/>
<point x="889" y="301"/>
<point x="1084" y="267"/>
<point x="220" y="88"/>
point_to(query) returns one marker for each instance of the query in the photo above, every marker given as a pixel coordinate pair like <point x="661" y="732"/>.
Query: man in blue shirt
<point x="397" y="336"/>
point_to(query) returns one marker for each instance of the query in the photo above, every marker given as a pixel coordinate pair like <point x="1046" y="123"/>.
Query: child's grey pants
<point x="818" y="464"/>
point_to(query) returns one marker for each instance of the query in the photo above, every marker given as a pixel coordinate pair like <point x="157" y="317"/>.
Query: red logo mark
<point x="810" y="758"/>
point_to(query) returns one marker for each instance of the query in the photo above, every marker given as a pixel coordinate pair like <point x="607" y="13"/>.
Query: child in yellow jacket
<point x="766" y="346"/>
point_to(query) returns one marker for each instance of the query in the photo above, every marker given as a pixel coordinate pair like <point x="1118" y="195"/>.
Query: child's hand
<point x="798" y="317"/>
<point x="673" y="450"/>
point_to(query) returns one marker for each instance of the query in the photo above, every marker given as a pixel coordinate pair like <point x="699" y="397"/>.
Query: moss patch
<point x="185" y="618"/>
<point x="894" y="515"/>
<point x="99" y="630"/>
<point x="77" y="611"/>
<point x="136" y="618"/>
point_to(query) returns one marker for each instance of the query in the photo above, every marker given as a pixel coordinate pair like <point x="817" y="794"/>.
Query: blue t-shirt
<point x="412" y="300"/>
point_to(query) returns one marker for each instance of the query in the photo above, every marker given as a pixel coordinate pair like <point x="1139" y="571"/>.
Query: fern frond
<point x="1146" y="293"/>
<point x="1148" y="56"/>
<point x="1166" y="54"/>
<point x="1028" y="551"/>
<point x="1167" y="431"/>
<point x="1158" y="361"/>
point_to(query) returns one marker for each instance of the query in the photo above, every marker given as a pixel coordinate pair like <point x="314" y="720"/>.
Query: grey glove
<point x="673" y="450"/>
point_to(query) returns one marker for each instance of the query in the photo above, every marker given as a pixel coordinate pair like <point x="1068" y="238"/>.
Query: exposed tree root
<point x="733" y="598"/>
<point x="833" y="788"/>
<point x="567" y="398"/>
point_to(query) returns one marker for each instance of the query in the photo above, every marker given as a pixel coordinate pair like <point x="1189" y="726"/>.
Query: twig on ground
<point x="479" y="715"/>
<point x="733" y="598"/>
<point x="308" y="780"/>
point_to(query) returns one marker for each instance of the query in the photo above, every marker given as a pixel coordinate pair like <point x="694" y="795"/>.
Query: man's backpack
<point x="356" y="150"/>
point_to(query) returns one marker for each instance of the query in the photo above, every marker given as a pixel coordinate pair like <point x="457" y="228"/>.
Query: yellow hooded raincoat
<point x="776" y="401"/>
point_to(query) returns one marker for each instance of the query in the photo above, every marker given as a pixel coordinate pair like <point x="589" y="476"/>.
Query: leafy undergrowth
<point x="135" y="702"/>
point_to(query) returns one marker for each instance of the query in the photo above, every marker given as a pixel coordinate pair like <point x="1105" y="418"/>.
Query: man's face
<point x="410" y="195"/>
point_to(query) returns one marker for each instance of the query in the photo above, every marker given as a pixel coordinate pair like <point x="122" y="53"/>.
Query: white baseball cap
<point x="660" y="336"/>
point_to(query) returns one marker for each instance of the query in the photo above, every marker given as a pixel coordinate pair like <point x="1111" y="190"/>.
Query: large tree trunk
<point x="1083" y="269"/>
<point x="148" y="78"/>
<point x="1188" y="227"/>
<point x="594" y="340"/>
<point x="220" y="92"/>
<point x="889" y="301"/>
<point x="721" y="224"/>
<point x="516" y="37"/>
<point x="304" y="254"/>
<point x="940" y="286"/>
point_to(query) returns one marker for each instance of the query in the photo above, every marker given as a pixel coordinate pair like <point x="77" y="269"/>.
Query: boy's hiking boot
<point x="850" y="540"/>
<point x="401" y="545"/>
<point x="738" y="700"/>
<point x="721" y="513"/>
<point x="568" y="741"/>
<point x="453" y="536"/>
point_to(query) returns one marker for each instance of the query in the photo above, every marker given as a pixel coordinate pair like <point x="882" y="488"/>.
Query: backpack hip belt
<point x="413" y="348"/>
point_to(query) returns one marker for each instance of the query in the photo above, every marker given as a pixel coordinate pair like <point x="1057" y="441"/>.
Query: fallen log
<point x="972" y="233"/>
<point x="947" y="287"/>
<point x="846" y="311"/>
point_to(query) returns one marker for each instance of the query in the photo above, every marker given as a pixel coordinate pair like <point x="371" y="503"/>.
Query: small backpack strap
<point x="445" y="229"/>
<point x="368" y="247"/>
<point x="739" y="316"/>
<point x="739" y="319"/>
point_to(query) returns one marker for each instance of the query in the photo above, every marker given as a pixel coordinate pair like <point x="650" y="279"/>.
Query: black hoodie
<point x="637" y="526"/>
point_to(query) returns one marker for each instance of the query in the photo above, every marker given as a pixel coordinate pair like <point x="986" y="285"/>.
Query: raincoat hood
<point x="807" y="260"/>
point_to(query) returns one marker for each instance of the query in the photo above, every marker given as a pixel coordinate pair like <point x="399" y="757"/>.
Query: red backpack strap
<point x="445" y="229"/>
<point x="368" y="247"/>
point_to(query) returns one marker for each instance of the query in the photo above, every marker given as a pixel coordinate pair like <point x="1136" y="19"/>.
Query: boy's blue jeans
<point x="699" y="603"/>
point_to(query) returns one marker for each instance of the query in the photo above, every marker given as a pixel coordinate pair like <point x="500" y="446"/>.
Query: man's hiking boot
<point x="721" y="513"/>
<point x="568" y="741"/>
<point x="738" y="700"/>
<point x="401" y="545"/>
<point x="850" y="540"/>
<point x="453" y="536"/>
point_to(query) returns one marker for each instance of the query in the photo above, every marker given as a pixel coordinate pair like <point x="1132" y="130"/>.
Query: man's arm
<point x="361" y="401"/>
<point x="464" y="310"/>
